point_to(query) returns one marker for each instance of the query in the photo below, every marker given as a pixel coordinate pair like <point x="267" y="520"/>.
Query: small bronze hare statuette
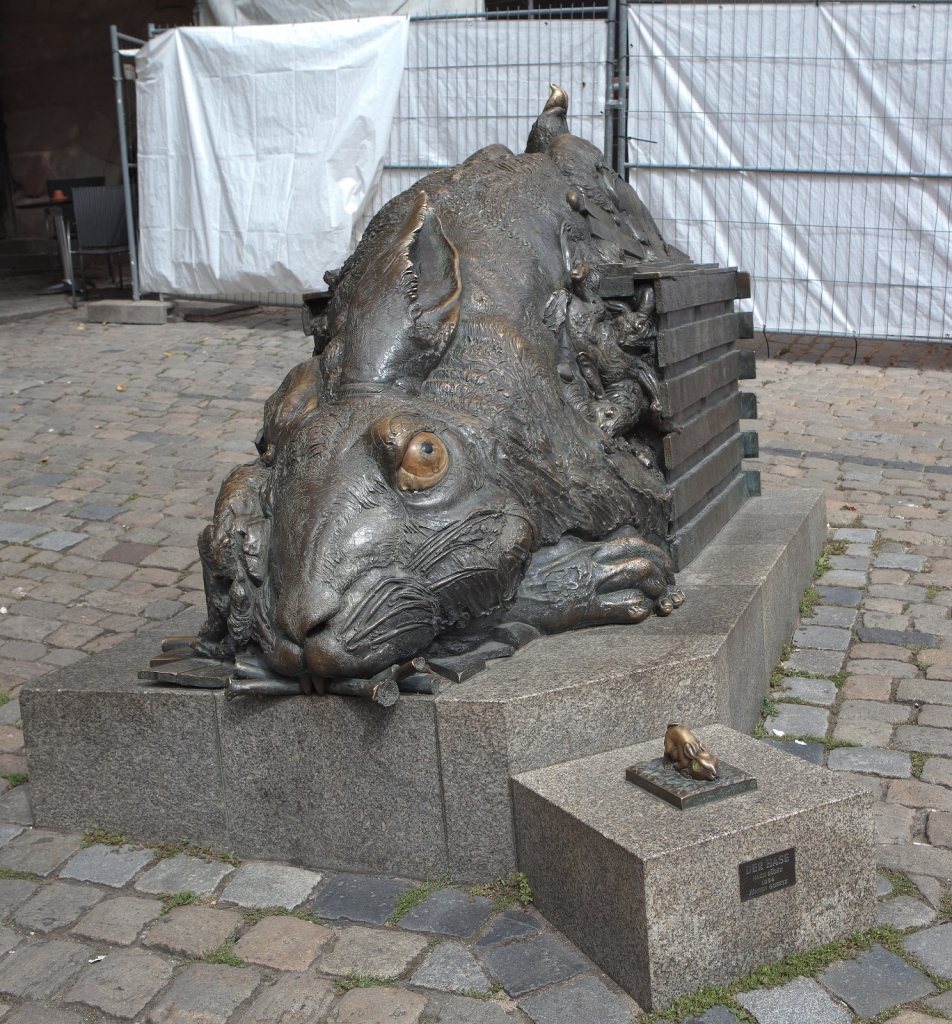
<point x="688" y="774"/>
<point x="687" y="755"/>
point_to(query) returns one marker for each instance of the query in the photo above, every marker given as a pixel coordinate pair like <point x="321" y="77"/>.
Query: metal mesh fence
<point x="809" y="144"/>
<point x="476" y="79"/>
<point x="473" y="81"/>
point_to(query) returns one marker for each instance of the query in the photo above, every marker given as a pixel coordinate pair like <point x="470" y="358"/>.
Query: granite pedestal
<point x="653" y="894"/>
<point x="423" y="787"/>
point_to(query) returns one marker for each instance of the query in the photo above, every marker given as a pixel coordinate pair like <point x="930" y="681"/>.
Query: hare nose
<point x="303" y="612"/>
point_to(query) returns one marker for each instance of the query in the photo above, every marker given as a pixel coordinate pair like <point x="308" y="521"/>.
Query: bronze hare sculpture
<point x="687" y="755"/>
<point x="472" y="442"/>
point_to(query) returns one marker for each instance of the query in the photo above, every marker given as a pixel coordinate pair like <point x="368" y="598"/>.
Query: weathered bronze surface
<point x="474" y="445"/>
<point x="686" y="754"/>
<point x="661" y="779"/>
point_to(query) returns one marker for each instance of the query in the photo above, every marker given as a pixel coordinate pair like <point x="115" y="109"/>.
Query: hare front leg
<point x="574" y="583"/>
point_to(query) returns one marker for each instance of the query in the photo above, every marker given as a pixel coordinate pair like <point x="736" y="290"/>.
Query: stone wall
<point x="56" y="82"/>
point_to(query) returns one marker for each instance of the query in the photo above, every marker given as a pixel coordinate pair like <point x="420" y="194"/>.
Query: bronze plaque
<point x="768" y="874"/>
<point x="663" y="781"/>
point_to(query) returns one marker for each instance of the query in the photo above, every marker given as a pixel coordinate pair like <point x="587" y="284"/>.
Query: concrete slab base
<point x="653" y="894"/>
<point x="423" y="787"/>
<point x="127" y="311"/>
<point x="200" y="311"/>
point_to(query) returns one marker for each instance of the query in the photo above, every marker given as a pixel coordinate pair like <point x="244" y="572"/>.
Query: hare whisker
<point x="404" y="595"/>
<point x="464" y="574"/>
<point x="372" y="604"/>
<point x="368" y="628"/>
<point x="432" y="550"/>
<point x="383" y="638"/>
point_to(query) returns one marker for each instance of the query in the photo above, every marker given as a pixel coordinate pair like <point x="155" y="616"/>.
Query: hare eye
<point x="424" y="464"/>
<point x="696" y="766"/>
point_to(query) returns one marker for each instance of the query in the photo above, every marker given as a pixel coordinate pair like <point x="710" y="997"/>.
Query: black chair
<point x="100" y="219"/>
<point x="66" y="186"/>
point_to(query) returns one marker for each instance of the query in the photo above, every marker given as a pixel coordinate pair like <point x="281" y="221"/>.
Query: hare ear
<point x="406" y="307"/>
<point x="438" y="289"/>
<point x="300" y="393"/>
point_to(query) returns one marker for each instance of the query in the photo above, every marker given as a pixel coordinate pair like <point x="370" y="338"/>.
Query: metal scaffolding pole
<point x="621" y="146"/>
<point x="114" y="37"/>
<point x="611" y="66"/>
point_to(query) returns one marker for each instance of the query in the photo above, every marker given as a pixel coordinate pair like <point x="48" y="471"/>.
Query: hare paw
<point x="574" y="583"/>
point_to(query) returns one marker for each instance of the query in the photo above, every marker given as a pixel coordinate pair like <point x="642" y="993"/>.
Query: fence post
<point x="621" y="122"/>
<point x="124" y="160"/>
<point x="611" y="63"/>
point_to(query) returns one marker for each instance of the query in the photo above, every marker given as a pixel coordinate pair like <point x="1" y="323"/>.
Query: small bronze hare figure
<point x="686" y="754"/>
<point x="474" y="441"/>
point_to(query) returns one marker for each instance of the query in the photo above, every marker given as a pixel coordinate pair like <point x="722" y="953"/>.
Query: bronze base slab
<point x="204" y="673"/>
<point x="665" y="782"/>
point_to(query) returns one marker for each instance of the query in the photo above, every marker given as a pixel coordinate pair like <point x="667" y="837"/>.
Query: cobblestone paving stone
<point x="451" y="968"/>
<point x="107" y="865"/>
<point x="184" y="874"/>
<point x="359" y="898"/>
<point x="102" y="494"/>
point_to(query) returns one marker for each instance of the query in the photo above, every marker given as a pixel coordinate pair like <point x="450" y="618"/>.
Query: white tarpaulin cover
<point x="806" y="144"/>
<point x="280" y="12"/>
<point x="257" y="148"/>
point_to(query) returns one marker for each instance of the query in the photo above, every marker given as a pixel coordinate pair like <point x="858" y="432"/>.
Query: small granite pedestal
<point x="422" y="787"/>
<point x="667" y="901"/>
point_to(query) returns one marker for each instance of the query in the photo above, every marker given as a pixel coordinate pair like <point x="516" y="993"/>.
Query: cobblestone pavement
<point x="114" y="440"/>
